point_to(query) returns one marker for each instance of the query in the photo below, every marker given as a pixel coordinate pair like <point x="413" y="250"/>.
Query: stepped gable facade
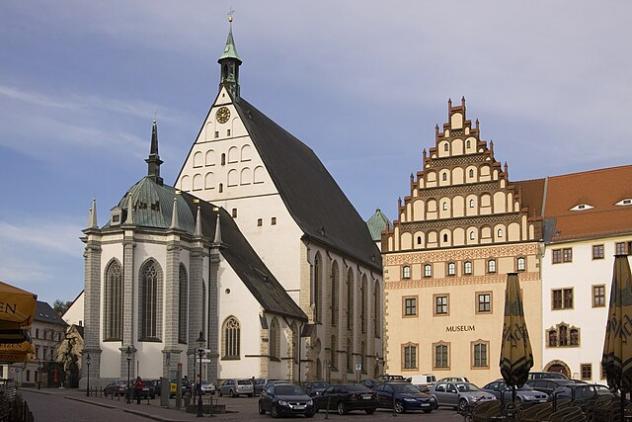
<point x="462" y="227"/>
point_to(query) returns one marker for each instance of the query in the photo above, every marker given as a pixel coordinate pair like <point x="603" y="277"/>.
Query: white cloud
<point x="43" y="235"/>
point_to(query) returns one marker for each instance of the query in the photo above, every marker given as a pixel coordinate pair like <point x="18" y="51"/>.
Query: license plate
<point x="366" y="397"/>
<point x="424" y="405"/>
<point x="298" y="407"/>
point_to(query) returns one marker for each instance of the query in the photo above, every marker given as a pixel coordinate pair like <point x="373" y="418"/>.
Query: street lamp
<point x="128" y="353"/>
<point x="200" y="342"/>
<point x="88" y="384"/>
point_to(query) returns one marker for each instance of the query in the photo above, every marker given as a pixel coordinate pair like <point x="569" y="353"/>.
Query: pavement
<point x="59" y="405"/>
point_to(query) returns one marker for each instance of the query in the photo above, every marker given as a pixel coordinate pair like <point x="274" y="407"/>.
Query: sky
<point x="363" y="83"/>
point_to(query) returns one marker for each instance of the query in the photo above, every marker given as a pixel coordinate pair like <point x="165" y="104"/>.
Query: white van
<point x="425" y="380"/>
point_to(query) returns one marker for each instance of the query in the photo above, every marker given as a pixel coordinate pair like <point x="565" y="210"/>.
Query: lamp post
<point x="88" y="384"/>
<point x="128" y="353"/>
<point x="200" y="342"/>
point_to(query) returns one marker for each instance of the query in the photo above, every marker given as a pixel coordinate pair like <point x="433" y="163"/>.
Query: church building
<point x="255" y="251"/>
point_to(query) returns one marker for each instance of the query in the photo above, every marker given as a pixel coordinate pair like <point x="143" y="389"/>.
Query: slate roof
<point x="601" y="189"/>
<point x="377" y="223"/>
<point x="44" y="313"/>
<point x="309" y="192"/>
<point x="237" y="251"/>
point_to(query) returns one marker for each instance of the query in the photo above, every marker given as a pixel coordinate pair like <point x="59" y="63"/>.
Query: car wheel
<point x="370" y="411"/>
<point x="342" y="410"/>
<point x="462" y="405"/>
<point x="262" y="411"/>
<point x="274" y="412"/>
<point x="399" y="407"/>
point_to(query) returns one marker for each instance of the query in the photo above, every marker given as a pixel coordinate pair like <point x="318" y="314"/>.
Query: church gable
<point x="223" y="163"/>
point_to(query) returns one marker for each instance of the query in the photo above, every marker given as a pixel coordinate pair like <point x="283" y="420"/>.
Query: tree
<point x="61" y="307"/>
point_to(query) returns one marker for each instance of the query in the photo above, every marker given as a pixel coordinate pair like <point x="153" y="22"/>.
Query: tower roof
<point x="230" y="51"/>
<point x="377" y="223"/>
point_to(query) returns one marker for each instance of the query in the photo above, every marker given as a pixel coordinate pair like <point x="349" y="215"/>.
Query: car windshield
<point x="464" y="386"/>
<point x="318" y="385"/>
<point x="525" y="387"/>
<point x="405" y="388"/>
<point x="355" y="387"/>
<point x="289" y="390"/>
<point x="244" y="382"/>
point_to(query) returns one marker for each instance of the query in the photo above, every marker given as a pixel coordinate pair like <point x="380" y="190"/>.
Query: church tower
<point x="229" y="64"/>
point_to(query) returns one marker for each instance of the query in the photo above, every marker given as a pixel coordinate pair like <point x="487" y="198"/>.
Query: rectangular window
<point x="234" y="212"/>
<point x="216" y="134"/>
<point x="586" y="371"/>
<point x="259" y="222"/>
<point x="409" y="356"/>
<point x="410" y="306"/>
<point x="37" y="333"/>
<point x="428" y="270"/>
<point x="228" y="132"/>
<point x="621" y="248"/>
<point x="441" y="305"/>
<point x="599" y="296"/>
<point x="479" y="355"/>
<point x="273" y="221"/>
<point x="406" y="271"/>
<point x="483" y="302"/>
<point x="562" y="299"/>
<point x="598" y="252"/>
<point x="567" y="255"/>
<point x="441" y="356"/>
<point x="557" y="256"/>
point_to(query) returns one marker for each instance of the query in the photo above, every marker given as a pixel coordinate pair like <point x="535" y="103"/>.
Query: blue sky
<point x="362" y="83"/>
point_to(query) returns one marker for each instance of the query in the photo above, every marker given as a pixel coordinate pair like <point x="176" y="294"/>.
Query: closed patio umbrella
<point x="617" y="348"/>
<point x="17" y="306"/>
<point x="516" y="357"/>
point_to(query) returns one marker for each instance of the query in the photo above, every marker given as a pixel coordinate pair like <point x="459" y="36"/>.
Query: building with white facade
<point x="587" y="220"/>
<point x="300" y="223"/>
<point x="256" y="247"/>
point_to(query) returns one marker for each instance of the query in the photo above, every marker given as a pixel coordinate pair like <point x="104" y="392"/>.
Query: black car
<point x="525" y="394"/>
<point x="582" y="392"/>
<point x="315" y="388"/>
<point x="549" y="385"/>
<point x="285" y="399"/>
<point x="344" y="398"/>
<point x="403" y="397"/>
<point x="116" y="388"/>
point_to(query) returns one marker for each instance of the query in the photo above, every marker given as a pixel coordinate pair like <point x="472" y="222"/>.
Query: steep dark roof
<point x="44" y="313"/>
<point x="237" y="251"/>
<point x="310" y="193"/>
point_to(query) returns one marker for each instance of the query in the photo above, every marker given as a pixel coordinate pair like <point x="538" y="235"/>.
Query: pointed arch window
<point x="333" y="354"/>
<point x="231" y="344"/>
<point x="113" y="302"/>
<point x="183" y="302"/>
<point x="150" y="294"/>
<point x="363" y="283"/>
<point x="350" y="300"/>
<point x="376" y="310"/>
<point x="349" y="356"/>
<point x="316" y="294"/>
<point x="275" y="339"/>
<point x="334" y="294"/>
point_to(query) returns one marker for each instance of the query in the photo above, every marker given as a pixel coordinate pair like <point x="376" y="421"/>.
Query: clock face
<point x="223" y="114"/>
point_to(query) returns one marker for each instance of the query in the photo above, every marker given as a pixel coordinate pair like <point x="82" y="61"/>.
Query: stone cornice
<point x="477" y="252"/>
<point x="459" y="281"/>
<point x="452" y="223"/>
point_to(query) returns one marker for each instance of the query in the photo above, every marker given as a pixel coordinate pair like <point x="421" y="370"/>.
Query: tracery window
<point x="316" y="294"/>
<point x="349" y="356"/>
<point x="183" y="302"/>
<point x="231" y="330"/>
<point x="376" y="310"/>
<point x="334" y="294"/>
<point x="562" y="335"/>
<point x="275" y="339"/>
<point x="113" y="302"/>
<point x="350" y="299"/>
<point x="150" y="300"/>
<point x="363" y="283"/>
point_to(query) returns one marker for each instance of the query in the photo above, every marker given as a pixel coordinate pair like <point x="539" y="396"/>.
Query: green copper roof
<point x="152" y="206"/>
<point x="230" y="51"/>
<point x="377" y="224"/>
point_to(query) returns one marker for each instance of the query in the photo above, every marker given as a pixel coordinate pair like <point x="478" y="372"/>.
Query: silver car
<point x="236" y="387"/>
<point x="524" y="394"/>
<point x="459" y="394"/>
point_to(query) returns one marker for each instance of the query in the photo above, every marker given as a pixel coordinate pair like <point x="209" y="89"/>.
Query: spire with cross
<point x="230" y="61"/>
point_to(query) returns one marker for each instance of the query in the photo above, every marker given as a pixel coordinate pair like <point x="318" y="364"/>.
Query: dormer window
<point x="625" y="202"/>
<point x="116" y="216"/>
<point x="581" y="207"/>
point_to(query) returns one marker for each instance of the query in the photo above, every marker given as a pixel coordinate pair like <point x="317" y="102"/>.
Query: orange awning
<point x="17" y="306"/>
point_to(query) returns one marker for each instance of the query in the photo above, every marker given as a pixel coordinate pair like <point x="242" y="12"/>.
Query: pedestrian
<point x="252" y="381"/>
<point x="138" y="388"/>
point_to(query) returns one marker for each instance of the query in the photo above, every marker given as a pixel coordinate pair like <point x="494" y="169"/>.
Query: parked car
<point x="454" y="379"/>
<point x="524" y="394"/>
<point x="403" y="397"/>
<point x="582" y="392"/>
<point x="116" y="388"/>
<point x="315" y="388"/>
<point x="149" y="389"/>
<point x="344" y="398"/>
<point x="547" y="375"/>
<point x="458" y="394"/>
<point x="423" y="382"/>
<point x="286" y="399"/>
<point x="549" y="385"/>
<point x="236" y="387"/>
<point x="208" y="388"/>
<point x="370" y="383"/>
